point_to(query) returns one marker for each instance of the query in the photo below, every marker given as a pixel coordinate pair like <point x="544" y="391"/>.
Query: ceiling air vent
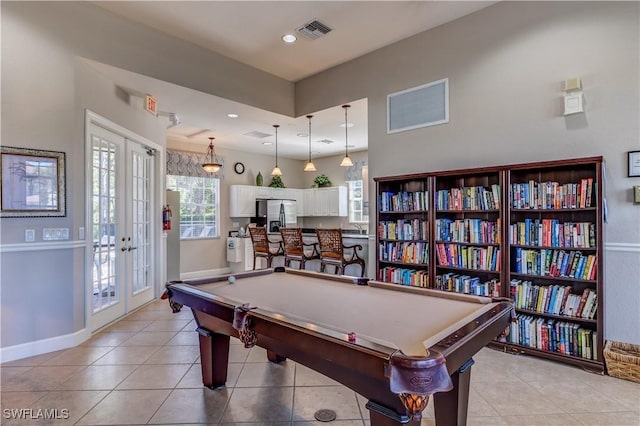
<point x="314" y="29"/>
<point x="257" y="134"/>
<point x="326" y="141"/>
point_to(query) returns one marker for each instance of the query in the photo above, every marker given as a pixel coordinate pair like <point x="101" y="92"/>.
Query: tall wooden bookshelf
<point x="532" y="232"/>
<point x="467" y="236"/>
<point x="404" y="230"/>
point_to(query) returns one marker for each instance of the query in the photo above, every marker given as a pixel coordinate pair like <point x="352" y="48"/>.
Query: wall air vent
<point x="420" y="106"/>
<point x="257" y="134"/>
<point x="314" y="29"/>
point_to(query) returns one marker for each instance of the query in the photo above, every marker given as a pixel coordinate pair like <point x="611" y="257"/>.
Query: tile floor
<point x="145" y="370"/>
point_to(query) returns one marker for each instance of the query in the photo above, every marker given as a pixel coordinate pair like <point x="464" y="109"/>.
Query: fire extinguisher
<point x="166" y="218"/>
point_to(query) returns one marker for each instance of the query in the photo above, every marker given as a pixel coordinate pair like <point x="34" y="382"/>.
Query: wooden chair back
<point x="259" y="239"/>
<point x="292" y="241"/>
<point x="330" y="243"/>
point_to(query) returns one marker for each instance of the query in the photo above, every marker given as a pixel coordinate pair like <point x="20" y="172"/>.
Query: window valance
<point x="185" y="163"/>
<point x="354" y="172"/>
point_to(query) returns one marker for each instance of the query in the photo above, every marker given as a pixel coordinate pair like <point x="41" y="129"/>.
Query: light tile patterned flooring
<point x="145" y="369"/>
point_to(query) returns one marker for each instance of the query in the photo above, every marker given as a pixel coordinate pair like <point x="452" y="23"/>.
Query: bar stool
<point x="263" y="247"/>
<point x="332" y="251"/>
<point x="294" y="247"/>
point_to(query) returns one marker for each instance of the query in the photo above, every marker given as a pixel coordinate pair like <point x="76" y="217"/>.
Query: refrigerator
<point x="278" y="213"/>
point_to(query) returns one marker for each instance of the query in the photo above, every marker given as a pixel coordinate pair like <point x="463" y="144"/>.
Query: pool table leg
<point x="274" y="357"/>
<point x="451" y="407"/>
<point x="214" y="357"/>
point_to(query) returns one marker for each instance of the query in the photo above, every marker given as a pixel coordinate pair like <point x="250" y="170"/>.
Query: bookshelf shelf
<point x="560" y="317"/>
<point x="551" y="278"/>
<point x="484" y="230"/>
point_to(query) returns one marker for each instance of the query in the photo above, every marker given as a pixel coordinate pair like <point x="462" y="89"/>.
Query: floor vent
<point x="314" y="30"/>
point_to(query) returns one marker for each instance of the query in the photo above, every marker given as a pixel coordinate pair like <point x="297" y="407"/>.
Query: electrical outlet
<point x="29" y="235"/>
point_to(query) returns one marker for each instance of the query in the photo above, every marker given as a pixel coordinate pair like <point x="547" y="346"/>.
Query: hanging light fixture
<point x="276" y="170"/>
<point x="212" y="164"/>
<point x="309" y="167"/>
<point x="346" y="161"/>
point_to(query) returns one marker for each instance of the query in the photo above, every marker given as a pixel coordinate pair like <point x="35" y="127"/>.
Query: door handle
<point x="123" y="249"/>
<point x="131" y="248"/>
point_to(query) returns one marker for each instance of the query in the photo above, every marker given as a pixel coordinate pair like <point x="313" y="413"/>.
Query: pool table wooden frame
<point x="365" y="367"/>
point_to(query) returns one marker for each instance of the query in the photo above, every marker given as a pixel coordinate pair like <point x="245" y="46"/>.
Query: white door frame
<point x="157" y="236"/>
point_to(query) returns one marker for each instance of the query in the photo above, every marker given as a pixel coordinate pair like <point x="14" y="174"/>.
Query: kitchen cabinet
<point x="330" y="201"/>
<point x="242" y="200"/>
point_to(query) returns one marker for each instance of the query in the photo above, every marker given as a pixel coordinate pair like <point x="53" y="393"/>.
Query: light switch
<point x="636" y="194"/>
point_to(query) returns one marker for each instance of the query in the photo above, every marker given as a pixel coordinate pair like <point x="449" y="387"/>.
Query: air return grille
<point x="420" y="106"/>
<point x="314" y="29"/>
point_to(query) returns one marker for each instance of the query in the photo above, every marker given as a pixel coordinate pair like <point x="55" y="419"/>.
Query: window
<point x="199" y="205"/>
<point x="358" y="212"/>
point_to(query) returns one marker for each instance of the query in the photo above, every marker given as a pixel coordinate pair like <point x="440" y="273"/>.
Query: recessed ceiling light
<point x="302" y="135"/>
<point x="289" y="38"/>
<point x="349" y="125"/>
<point x="267" y="143"/>
<point x="232" y="115"/>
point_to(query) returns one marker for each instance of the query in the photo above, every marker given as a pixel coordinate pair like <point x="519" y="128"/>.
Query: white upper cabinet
<point x="242" y="200"/>
<point x="330" y="201"/>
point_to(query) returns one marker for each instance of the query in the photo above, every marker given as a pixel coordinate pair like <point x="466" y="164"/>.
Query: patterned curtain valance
<point x="185" y="163"/>
<point x="354" y="172"/>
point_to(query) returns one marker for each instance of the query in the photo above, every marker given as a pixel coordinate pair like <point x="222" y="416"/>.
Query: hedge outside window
<point x="199" y="205"/>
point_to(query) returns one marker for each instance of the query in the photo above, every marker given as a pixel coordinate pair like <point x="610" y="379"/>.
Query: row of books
<point x="417" y="252"/>
<point x="404" y="201"/>
<point x="554" y="336"/>
<point x="552" y="195"/>
<point x="466" y="284"/>
<point x="469" y="198"/>
<point x="554" y="299"/>
<point x="411" y="277"/>
<point x="556" y="263"/>
<point x="404" y="229"/>
<point x="552" y="233"/>
<point x="468" y="231"/>
<point x="469" y="257"/>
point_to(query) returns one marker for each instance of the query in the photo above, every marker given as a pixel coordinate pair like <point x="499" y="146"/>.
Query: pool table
<point x="395" y="345"/>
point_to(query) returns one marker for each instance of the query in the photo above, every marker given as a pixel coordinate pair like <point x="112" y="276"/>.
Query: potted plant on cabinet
<point x="321" y="181"/>
<point x="276" y="182"/>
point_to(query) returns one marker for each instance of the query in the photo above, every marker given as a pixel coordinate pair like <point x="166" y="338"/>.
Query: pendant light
<point x="276" y="170"/>
<point x="212" y="164"/>
<point x="309" y="167"/>
<point x="346" y="161"/>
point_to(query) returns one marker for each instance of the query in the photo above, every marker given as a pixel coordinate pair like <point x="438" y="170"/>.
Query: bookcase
<point x="404" y="230"/>
<point x="467" y="235"/>
<point x="532" y="232"/>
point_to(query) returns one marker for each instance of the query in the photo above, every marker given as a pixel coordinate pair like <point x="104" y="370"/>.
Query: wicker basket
<point x="623" y="360"/>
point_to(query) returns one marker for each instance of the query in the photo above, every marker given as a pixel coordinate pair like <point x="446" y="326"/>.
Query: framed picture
<point x="33" y="182"/>
<point x="634" y="164"/>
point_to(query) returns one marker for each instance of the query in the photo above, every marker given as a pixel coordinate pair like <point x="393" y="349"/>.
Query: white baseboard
<point x="38" y="347"/>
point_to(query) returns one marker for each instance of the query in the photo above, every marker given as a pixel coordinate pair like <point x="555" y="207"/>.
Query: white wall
<point x="506" y="65"/>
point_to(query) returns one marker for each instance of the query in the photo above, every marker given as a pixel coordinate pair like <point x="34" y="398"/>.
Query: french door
<point x="122" y="272"/>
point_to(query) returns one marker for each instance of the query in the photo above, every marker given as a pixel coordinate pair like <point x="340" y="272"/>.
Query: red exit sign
<point x="151" y="105"/>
